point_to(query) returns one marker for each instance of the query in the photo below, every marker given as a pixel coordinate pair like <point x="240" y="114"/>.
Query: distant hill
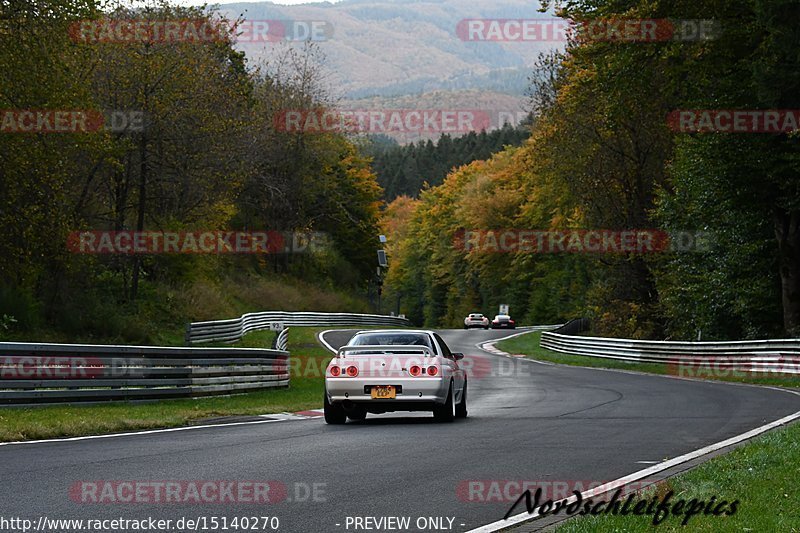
<point x="397" y="47"/>
<point x="500" y="108"/>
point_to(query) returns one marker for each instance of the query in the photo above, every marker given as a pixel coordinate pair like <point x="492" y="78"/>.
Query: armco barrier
<point x="66" y="373"/>
<point x="747" y="356"/>
<point x="282" y="340"/>
<point x="573" y="327"/>
<point x="234" y="329"/>
<point x="57" y="373"/>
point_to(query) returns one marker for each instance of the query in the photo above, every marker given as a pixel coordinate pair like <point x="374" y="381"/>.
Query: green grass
<point x="761" y="475"/>
<point x="305" y="392"/>
<point x="528" y="345"/>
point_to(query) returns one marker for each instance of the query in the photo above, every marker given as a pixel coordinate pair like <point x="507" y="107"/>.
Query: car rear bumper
<point x="414" y="390"/>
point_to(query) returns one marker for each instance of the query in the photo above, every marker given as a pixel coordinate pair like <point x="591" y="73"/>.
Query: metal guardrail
<point x="282" y="340"/>
<point x="777" y="356"/>
<point x="229" y="331"/>
<point x="573" y="327"/>
<point x="64" y="373"/>
<point x="57" y="373"/>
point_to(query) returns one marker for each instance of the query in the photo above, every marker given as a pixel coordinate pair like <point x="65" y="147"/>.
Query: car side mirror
<point x="458" y="356"/>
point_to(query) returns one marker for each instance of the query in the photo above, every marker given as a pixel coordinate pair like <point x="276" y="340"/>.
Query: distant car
<point x="395" y="370"/>
<point x="476" y="320"/>
<point x="503" y="321"/>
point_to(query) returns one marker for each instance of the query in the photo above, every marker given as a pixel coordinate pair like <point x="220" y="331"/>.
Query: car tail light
<point x="336" y="371"/>
<point x="352" y="371"/>
<point x="432" y="370"/>
<point x="415" y="371"/>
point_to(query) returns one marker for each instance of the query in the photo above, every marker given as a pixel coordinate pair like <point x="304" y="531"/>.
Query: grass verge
<point x="762" y="475"/>
<point x="529" y="346"/>
<point x="305" y="392"/>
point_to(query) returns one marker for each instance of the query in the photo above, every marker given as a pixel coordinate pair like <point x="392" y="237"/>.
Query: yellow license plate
<point x="387" y="392"/>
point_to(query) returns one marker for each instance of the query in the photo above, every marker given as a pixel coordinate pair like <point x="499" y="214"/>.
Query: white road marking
<point x="488" y="346"/>
<point x="286" y="416"/>
<point x="274" y="417"/>
<point x="147" y="432"/>
<point x="321" y="338"/>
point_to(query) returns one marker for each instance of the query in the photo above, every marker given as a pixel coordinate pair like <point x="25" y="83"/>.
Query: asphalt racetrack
<point x="527" y="421"/>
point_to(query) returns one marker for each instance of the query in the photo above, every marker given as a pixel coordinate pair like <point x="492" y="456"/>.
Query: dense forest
<point x="404" y="170"/>
<point x="602" y="155"/>
<point x="204" y="156"/>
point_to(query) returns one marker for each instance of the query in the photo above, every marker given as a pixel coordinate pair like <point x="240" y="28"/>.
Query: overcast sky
<point x="210" y="2"/>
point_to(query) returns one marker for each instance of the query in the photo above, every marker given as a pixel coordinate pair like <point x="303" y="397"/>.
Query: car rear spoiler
<point x="410" y="349"/>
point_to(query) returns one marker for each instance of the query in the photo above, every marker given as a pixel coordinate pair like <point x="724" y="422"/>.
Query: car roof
<point x="394" y="331"/>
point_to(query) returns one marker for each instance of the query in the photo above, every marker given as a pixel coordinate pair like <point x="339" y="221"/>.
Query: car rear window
<point x="392" y="339"/>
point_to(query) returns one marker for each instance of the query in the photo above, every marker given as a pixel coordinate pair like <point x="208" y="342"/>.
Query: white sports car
<point x="476" y="320"/>
<point x="395" y="370"/>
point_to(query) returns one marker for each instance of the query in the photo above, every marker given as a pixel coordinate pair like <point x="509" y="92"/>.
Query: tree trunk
<point x="143" y="172"/>
<point x="787" y="231"/>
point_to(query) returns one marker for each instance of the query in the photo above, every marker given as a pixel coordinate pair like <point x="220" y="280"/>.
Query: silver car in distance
<point x="395" y="370"/>
<point x="476" y="320"/>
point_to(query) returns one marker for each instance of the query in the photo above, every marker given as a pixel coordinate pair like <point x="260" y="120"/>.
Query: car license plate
<point x="387" y="392"/>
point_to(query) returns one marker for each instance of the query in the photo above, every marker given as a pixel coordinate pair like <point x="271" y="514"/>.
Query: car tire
<point x="461" y="407"/>
<point x="447" y="411"/>
<point x="334" y="414"/>
<point x="357" y="415"/>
